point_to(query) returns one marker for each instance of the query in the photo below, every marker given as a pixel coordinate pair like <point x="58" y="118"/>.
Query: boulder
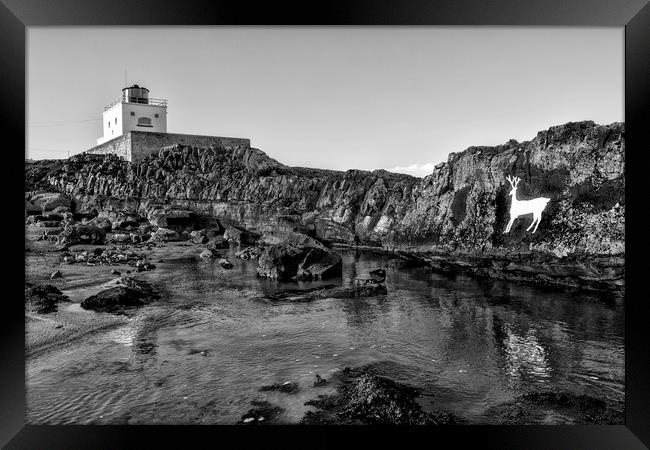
<point x="208" y="254"/>
<point x="218" y="242"/>
<point x="43" y="298"/>
<point x="131" y="293"/>
<point x="223" y="262"/>
<point x="287" y="387"/>
<point x="240" y="236"/>
<point x="294" y="259"/>
<point x="50" y="200"/>
<point x="252" y="252"/>
<point x="56" y="274"/>
<point x="82" y="234"/>
<point x="100" y="222"/>
<point x="164" y="235"/>
<point x="366" y="398"/>
<point x="319" y="381"/>
<point x="120" y="238"/>
<point x="262" y="413"/>
<point x="199" y="236"/>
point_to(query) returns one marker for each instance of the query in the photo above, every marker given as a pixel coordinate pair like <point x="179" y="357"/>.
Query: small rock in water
<point x="263" y="411"/>
<point x="287" y="387"/>
<point x="223" y="262"/>
<point x="319" y="381"/>
<point x="207" y="254"/>
<point x="115" y="272"/>
<point x="56" y="274"/>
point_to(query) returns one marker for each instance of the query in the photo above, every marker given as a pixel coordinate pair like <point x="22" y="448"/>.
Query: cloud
<point x="418" y="170"/>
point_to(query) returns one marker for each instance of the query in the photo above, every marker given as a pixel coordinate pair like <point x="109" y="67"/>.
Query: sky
<point x="395" y="98"/>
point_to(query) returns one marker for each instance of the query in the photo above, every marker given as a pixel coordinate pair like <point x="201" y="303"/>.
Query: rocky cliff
<point x="454" y="219"/>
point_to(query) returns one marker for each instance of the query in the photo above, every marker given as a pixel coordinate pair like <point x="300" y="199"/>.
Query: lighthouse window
<point x="109" y="124"/>
<point x="116" y="121"/>
<point x="132" y="113"/>
<point x="144" y="122"/>
<point x="155" y="115"/>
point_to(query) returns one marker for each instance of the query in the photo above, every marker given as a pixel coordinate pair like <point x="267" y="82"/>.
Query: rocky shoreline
<point x="99" y="222"/>
<point x="452" y="219"/>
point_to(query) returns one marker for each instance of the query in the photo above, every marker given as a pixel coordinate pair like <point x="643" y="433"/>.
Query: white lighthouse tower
<point x="133" y="111"/>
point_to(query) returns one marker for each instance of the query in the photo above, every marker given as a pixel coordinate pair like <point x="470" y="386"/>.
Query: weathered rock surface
<point x="366" y="398"/>
<point x="131" y="293"/>
<point x="82" y="234"/>
<point x="164" y="235"/>
<point x="300" y="257"/>
<point x="208" y="254"/>
<point x="458" y="212"/>
<point x="43" y="298"/>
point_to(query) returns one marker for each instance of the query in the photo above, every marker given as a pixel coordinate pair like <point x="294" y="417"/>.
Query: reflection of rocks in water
<point x="366" y="398"/>
<point x="556" y="408"/>
<point x="524" y="355"/>
<point x="145" y="348"/>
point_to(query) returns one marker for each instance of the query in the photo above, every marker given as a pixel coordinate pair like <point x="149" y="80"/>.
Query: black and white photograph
<point x="325" y="225"/>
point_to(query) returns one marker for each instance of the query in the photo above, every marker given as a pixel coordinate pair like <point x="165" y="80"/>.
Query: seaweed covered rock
<point x="131" y="293"/>
<point x="43" y="298"/>
<point x="367" y="398"/>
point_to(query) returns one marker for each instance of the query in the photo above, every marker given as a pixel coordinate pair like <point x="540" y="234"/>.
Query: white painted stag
<point x="524" y="207"/>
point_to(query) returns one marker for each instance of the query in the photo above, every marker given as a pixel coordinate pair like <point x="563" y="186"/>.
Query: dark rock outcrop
<point x="43" y="298"/>
<point x="287" y="387"/>
<point x="458" y="212"/>
<point x="132" y="293"/>
<point x="366" y="398"/>
<point x="300" y="257"/>
<point x="262" y="413"/>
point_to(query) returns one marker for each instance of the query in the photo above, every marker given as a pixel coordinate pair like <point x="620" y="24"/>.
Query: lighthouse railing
<point x="142" y="101"/>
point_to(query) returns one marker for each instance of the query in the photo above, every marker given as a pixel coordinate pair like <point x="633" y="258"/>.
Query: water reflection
<point x="469" y="344"/>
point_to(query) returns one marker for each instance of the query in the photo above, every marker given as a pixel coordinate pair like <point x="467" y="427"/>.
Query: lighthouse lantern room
<point x="133" y="111"/>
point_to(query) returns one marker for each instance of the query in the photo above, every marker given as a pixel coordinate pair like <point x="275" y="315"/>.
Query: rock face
<point x="303" y="259"/>
<point x="457" y="213"/>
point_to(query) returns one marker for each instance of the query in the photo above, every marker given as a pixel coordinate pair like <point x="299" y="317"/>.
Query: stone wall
<point x="120" y="146"/>
<point x="146" y="143"/>
<point x="134" y="146"/>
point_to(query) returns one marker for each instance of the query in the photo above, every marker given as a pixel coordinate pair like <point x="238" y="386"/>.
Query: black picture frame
<point x="634" y="15"/>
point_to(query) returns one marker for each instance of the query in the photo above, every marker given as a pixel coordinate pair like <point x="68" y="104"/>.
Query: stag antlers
<point x="514" y="181"/>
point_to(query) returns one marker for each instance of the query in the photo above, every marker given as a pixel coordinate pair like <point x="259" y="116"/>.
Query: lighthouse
<point x="134" y="110"/>
<point x="135" y="126"/>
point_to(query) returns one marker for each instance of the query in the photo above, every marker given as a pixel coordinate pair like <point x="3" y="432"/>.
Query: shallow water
<point x="201" y="355"/>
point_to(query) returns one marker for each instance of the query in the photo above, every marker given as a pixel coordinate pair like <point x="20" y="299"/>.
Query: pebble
<point x="249" y="419"/>
<point x="56" y="274"/>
